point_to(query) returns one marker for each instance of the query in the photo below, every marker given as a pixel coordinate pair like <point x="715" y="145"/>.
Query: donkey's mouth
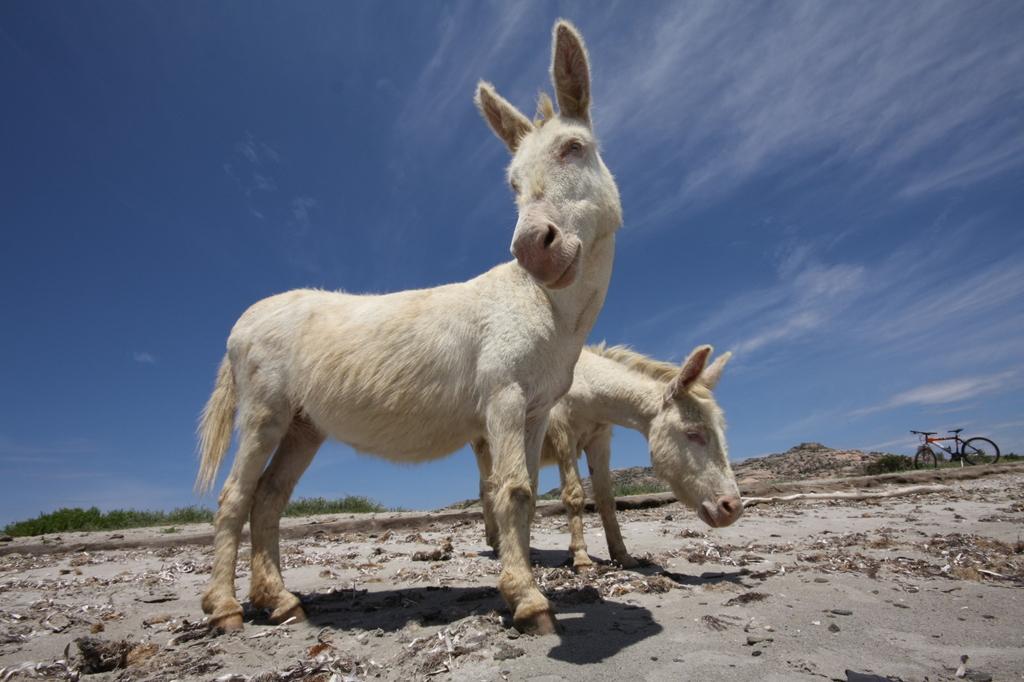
<point x="568" y="275"/>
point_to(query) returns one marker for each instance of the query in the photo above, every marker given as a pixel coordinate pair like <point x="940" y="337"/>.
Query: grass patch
<point x="888" y="464"/>
<point x="352" y="504"/>
<point x="71" y="520"/>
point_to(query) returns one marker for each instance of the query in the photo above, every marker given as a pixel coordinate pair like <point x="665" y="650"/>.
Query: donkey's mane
<point x="638" y="362"/>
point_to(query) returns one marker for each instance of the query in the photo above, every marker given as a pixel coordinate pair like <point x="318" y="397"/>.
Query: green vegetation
<point x="888" y="464"/>
<point x="352" y="504"/>
<point x="76" y="519"/>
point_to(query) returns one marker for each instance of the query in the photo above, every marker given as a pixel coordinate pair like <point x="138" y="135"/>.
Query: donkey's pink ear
<point x="710" y="376"/>
<point x="505" y="120"/>
<point x="570" y="72"/>
<point x="692" y="368"/>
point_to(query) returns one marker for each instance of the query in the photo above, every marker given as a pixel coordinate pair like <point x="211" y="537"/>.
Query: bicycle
<point x="975" y="450"/>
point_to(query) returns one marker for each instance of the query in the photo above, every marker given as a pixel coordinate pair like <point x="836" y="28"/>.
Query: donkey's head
<point x="567" y="198"/>
<point x="687" y="440"/>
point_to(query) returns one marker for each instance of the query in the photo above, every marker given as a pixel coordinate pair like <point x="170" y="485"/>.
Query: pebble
<point x="506" y="651"/>
<point x="752" y="640"/>
<point x="57" y="622"/>
<point x="755" y="652"/>
<point x="842" y="612"/>
<point x="6" y="538"/>
<point x="833" y="627"/>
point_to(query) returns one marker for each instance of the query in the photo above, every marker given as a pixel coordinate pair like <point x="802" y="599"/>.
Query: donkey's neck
<point x="577" y="306"/>
<point x="610" y="393"/>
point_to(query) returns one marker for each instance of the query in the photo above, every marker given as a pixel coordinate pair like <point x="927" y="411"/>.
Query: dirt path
<point x="897" y="587"/>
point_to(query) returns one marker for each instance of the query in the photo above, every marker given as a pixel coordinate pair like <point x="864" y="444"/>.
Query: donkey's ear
<point x="505" y="120"/>
<point x="692" y="368"/>
<point x="570" y="72"/>
<point x="710" y="376"/>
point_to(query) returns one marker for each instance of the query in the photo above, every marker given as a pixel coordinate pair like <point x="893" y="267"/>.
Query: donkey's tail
<point x="215" y="426"/>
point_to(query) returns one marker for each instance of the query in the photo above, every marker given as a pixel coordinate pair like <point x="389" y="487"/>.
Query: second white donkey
<point x="675" y="410"/>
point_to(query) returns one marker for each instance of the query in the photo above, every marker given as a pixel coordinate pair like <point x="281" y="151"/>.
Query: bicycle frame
<point x="954" y="455"/>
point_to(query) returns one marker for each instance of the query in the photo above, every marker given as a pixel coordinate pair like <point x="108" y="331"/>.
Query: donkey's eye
<point x="572" y="147"/>
<point x="696" y="437"/>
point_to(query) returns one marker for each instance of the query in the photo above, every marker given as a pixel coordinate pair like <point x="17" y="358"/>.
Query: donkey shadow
<point x="582" y="615"/>
<point x="560" y="558"/>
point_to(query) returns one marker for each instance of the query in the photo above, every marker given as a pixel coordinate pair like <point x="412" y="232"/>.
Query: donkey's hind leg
<point x="484" y="463"/>
<point x="293" y="456"/>
<point x="261" y="428"/>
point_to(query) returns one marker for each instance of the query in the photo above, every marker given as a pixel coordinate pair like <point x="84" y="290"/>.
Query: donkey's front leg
<point x="484" y="463"/>
<point x="516" y="453"/>
<point x="598" y="459"/>
<point x="574" y="499"/>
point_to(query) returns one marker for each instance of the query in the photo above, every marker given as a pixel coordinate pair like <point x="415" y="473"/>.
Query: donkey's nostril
<point x="731" y="507"/>
<point x="549" y="237"/>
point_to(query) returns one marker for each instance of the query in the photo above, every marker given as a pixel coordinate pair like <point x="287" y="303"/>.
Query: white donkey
<point x="675" y="410"/>
<point x="414" y="375"/>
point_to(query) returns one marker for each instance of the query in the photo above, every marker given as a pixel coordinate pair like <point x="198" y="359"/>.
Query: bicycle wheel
<point x="980" y="451"/>
<point x="925" y="458"/>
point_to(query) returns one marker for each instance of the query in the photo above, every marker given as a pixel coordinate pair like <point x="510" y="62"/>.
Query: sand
<point x="897" y="588"/>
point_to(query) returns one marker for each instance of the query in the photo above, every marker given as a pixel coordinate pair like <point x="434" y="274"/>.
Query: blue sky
<point x="831" y="190"/>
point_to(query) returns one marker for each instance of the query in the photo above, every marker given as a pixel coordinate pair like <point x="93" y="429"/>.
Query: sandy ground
<point x="897" y="588"/>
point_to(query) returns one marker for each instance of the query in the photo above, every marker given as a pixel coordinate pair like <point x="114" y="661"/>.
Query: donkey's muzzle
<point x="549" y="255"/>
<point x="722" y="512"/>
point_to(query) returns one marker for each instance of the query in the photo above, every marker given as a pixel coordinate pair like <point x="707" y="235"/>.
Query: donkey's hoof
<point x="542" y="623"/>
<point x="627" y="561"/>
<point x="582" y="563"/>
<point x="282" y="615"/>
<point x="232" y="621"/>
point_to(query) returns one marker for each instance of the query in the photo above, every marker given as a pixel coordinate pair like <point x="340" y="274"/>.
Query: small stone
<point x="821" y="580"/>
<point x="512" y="633"/>
<point x="978" y="676"/>
<point x="6" y="538"/>
<point x="668" y="517"/>
<point x="833" y="627"/>
<point x="842" y="612"/>
<point x="753" y="639"/>
<point x="506" y="651"/>
<point x="57" y="622"/>
<point x="755" y="652"/>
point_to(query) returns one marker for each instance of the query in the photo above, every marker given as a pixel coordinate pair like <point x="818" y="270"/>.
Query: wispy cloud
<point x="144" y="358"/>
<point x="950" y="391"/>
<point x="920" y="89"/>
<point x="14" y="452"/>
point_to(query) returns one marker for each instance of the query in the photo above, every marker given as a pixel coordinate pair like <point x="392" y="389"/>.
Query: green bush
<point x="887" y="464"/>
<point x="353" y="504"/>
<point x="75" y="519"/>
